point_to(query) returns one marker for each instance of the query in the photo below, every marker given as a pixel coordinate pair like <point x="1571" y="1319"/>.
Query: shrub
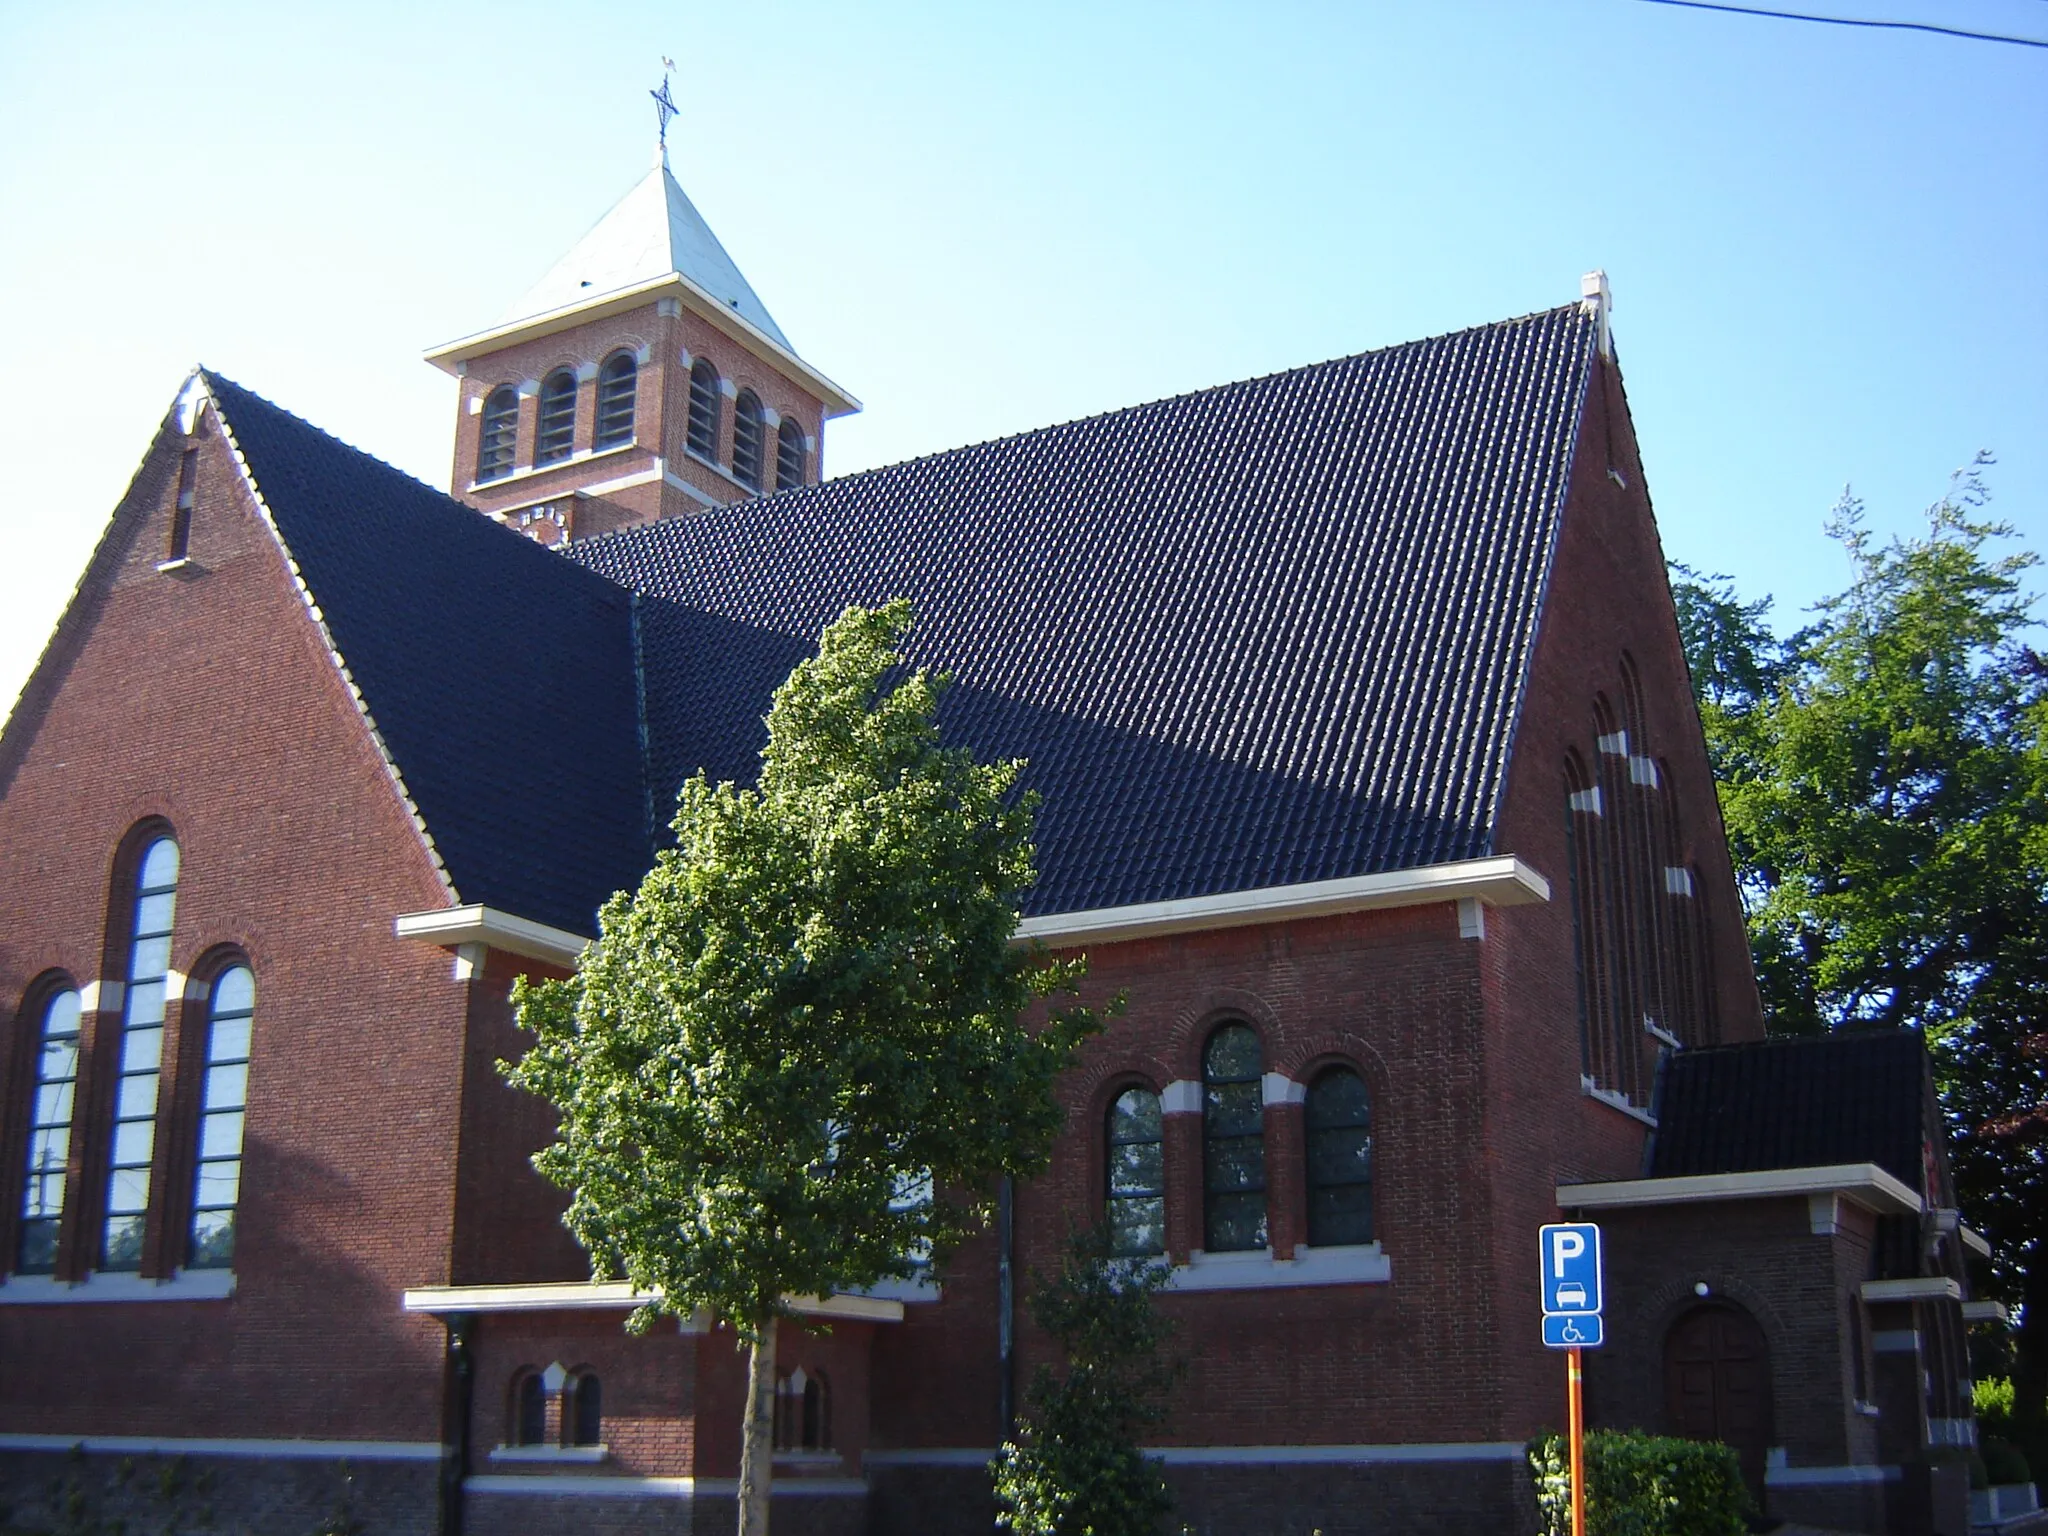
<point x="1642" y="1485"/>
<point x="1992" y="1399"/>
<point x="2004" y="1462"/>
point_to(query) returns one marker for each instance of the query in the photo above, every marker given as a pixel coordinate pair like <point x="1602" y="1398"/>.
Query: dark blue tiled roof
<point x="1266" y="633"/>
<point x="1859" y="1097"/>
<point x="500" y="676"/>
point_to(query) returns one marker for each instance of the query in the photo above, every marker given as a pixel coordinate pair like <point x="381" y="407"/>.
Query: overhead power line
<point x="1857" y="21"/>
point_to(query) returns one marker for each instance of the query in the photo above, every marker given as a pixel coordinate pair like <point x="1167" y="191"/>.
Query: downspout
<point x="1006" y="1340"/>
<point x="457" y="1399"/>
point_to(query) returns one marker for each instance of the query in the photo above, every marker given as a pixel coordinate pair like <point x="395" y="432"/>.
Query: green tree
<point x="1075" y="1468"/>
<point x="1884" y="781"/>
<point x="795" y="1061"/>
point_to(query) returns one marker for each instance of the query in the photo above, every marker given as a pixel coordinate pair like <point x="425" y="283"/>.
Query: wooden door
<point x="1717" y="1383"/>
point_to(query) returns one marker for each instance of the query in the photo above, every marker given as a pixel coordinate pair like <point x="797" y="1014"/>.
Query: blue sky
<point x="1829" y="247"/>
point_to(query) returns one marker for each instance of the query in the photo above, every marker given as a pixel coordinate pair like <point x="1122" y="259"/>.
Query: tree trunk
<point x="757" y="1443"/>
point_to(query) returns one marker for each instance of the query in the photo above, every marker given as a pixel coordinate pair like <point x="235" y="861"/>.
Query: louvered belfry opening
<point x="703" y="429"/>
<point x="555" y="434"/>
<point x="498" y="434"/>
<point x="1640" y="936"/>
<point x="789" y="455"/>
<point x="747" y="432"/>
<point x="617" y="390"/>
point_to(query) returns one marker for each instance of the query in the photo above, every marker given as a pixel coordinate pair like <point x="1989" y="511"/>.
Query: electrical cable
<point x="1855" y="21"/>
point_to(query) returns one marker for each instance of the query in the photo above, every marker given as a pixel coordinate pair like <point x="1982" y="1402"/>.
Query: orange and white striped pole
<point x="1575" y="1377"/>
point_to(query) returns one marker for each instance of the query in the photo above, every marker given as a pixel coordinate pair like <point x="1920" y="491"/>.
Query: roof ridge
<point x="797" y="494"/>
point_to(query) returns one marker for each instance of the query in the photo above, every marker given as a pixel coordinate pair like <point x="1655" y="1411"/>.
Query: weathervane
<point x="664" y="104"/>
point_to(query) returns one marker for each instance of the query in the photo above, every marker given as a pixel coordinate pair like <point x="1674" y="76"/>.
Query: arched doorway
<point x="1717" y="1383"/>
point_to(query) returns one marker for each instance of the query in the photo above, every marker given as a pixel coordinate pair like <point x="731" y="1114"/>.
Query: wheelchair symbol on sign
<point x="1571" y="1333"/>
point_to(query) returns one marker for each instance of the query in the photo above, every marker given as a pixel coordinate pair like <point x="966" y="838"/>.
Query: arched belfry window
<point x="803" y="1412"/>
<point x="1134" y="1199"/>
<point x="1338" y="1124"/>
<point x="1233" y="1141"/>
<point x="618" y="383"/>
<point x="141" y="1062"/>
<point x="789" y="455"/>
<point x="555" y="433"/>
<point x="497" y="434"/>
<point x="217" y="1181"/>
<point x="748" y="431"/>
<point x="704" y="398"/>
<point x="529" y="1409"/>
<point x="49" y="1134"/>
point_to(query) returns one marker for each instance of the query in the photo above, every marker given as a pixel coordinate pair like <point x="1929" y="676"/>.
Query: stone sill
<point x="185" y="1285"/>
<point x="552" y="1455"/>
<point x="575" y="460"/>
<point x="1257" y="1270"/>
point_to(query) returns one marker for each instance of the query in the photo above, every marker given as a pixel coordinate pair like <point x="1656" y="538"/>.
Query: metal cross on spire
<point x="664" y="105"/>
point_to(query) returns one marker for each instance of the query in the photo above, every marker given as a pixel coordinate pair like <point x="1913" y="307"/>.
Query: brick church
<point x="1370" y="773"/>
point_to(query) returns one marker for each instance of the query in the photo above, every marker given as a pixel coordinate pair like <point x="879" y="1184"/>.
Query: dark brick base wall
<point x="525" y="1514"/>
<point x="1832" y="1507"/>
<point x="150" y="1495"/>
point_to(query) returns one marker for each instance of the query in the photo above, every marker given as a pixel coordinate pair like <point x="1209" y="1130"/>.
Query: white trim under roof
<point x="1501" y="882"/>
<point x="1914" y="1288"/>
<point x="617" y="1295"/>
<point x="450" y="356"/>
<point x="477" y="924"/>
<point x="1985" y="1312"/>
<point x="1865" y="1183"/>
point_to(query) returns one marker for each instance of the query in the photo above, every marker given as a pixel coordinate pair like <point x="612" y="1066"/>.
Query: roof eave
<point x="1865" y="1183"/>
<point x="450" y="356"/>
<point x="451" y="927"/>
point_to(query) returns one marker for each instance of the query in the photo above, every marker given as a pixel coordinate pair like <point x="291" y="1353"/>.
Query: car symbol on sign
<point x="1571" y="1296"/>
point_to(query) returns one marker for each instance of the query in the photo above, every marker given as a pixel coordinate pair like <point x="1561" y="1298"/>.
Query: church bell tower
<point x="641" y="378"/>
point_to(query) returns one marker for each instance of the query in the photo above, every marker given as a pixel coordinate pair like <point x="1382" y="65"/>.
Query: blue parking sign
<point x="1571" y="1268"/>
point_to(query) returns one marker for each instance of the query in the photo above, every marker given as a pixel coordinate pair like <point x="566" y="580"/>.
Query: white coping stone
<point x="1279" y="1088"/>
<point x="1241" y="1455"/>
<point x="1471" y="918"/>
<point x="100" y="997"/>
<point x="1895" y="1341"/>
<point x="1182" y="1096"/>
<point x="546" y="1486"/>
<point x="1257" y="1270"/>
<point x="295" y="1450"/>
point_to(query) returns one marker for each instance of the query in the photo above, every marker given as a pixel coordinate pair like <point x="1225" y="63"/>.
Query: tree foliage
<point x="1884" y="782"/>
<point x="1076" y="1469"/>
<point x="795" y="1060"/>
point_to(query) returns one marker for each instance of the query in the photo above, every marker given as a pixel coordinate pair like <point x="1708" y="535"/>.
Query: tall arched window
<point x="747" y="433"/>
<point x="142" y="1051"/>
<point x="703" y="431"/>
<point x="1134" y="1200"/>
<point x="218" y="1179"/>
<point x="789" y="455"/>
<point x="583" y="1410"/>
<point x="497" y="434"/>
<point x="555" y="433"/>
<point x="529" y="1409"/>
<point x="1338" y="1122"/>
<point x="618" y="383"/>
<point x="1233" y="1142"/>
<point x="49" y="1135"/>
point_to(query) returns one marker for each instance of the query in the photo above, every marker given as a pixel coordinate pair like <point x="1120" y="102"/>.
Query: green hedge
<point x="1642" y="1485"/>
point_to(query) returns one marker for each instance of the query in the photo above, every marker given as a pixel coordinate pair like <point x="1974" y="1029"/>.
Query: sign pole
<point x="1575" y="1376"/>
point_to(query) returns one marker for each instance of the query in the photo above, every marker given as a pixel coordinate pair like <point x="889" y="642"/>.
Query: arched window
<point x="617" y="385"/>
<point x="703" y="432"/>
<point x="1339" y="1127"/>
<point x="218" y="1178"/>
<point x="1233" y="1142"/>
<point x="583" y="1411"/>
<point x="747" y="433"/>
<point x="529" y="1409"/>
<point x="803" y="1413"/>
<point x="142" y="1050"/>
<point x="1134" y="1201"/>
<point x="555" y="433"/>
<point x="49" y="1135"/>
<point x="498" y="434"/>
<point x="789" y="455"/>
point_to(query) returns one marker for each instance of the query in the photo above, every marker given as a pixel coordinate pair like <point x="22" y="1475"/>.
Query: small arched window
<point x="747" y="433"/>
<point x="1134" y="1201"/>
<point x="1233" y="1142"/>
<point x="142" y="1050"/>
<point x="789" y="455"/>
<point x="618" y="383"/>
<point x="703" y="431"/>
<point x="529" y="1409"/>
<point x="1339" y="1127"/>
<point x="583" y="1411"/>
<point x="217" y="1181"/>
<point x="555" y="433"/>
<point x="498" y="434"/>
<point x="49" y="1135"/>
<point x="803" y="1413"/>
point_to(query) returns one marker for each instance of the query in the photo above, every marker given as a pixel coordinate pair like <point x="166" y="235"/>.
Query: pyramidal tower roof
<point x="650" y="233"/>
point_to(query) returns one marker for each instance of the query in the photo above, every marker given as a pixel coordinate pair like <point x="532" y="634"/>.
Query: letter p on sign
<point x="1565" y="1245"/>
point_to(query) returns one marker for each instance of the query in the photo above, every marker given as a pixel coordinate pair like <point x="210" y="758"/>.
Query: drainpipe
<point x="1006" y="1341"/>
<point x="457" y="1400"/>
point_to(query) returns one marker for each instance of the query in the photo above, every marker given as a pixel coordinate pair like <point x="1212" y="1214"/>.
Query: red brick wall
<point x="207" y="699"/>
